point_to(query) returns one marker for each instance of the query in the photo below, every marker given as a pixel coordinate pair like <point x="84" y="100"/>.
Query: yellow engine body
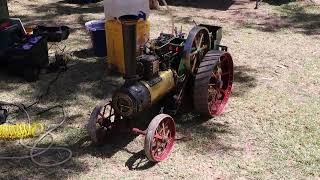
<point x="115" y="47"/>
<point x="163" y="87"/>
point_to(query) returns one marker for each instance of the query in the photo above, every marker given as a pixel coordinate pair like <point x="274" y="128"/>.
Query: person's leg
<point x="257" y="4"/>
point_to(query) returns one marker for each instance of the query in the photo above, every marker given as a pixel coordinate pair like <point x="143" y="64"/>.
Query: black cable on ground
<point x="46" y="92"/>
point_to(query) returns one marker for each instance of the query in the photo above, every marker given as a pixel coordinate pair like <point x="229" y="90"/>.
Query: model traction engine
<point x="170" y="72"/>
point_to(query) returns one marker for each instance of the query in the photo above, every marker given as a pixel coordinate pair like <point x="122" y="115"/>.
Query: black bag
<point x="53" y="34"/>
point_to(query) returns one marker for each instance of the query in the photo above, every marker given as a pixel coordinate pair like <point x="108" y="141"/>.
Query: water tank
<point x="116" y="8"/>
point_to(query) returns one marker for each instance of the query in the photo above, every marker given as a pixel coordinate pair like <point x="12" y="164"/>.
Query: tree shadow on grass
<point x="87" y="77"/>
<point x="113" y="143"/>
<point x="203" y="4"/>
<point x="139" y="161"/>
<point x="203" y="134"/>
<point x="7" y="81"/>
<point x="90" y="77"/>
<point x="84" y="53"/>
<point x="195" y="131"/>
<point x="278" y="2"/>
<point x="26" y="169"/>
<point x="304" y="19"/>
<point x="50" y="14"/>
<point x="244" y="80"/>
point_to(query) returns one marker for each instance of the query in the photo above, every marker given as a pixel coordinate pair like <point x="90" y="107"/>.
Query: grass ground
<point x="270" y="129"/>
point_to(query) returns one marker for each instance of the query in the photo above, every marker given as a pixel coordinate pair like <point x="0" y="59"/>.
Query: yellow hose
<point x="20" y="131"/>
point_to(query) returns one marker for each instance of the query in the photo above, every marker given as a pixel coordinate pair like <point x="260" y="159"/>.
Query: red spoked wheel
<point x="101" y="121"/>
<point x="160" y="138"/>
<point x="213" y="83"/>
<point x="220" y="85"/>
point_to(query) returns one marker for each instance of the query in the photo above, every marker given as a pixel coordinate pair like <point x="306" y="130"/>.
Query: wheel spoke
<point x="104" y="109"/>
<point x="157" y="136"/>
<point x="163" y="129"/>
<point x="212" y="84"/>
<point x="200" y="43"/>
<point x="222" y="91"/>
<point x="224" y="74"/>
<point x="159" y="151"/>
<point x="168" y="133"/>
<point x="198" y="50"/>
<point x="102" y="115"/>
<point x="100" y="121"/>
<point x="110" y="112"/>
<point x="194" y="65"/>
<point x="159" y="131"/>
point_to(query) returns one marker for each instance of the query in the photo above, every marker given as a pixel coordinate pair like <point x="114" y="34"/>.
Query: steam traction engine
<point x="169" y="73"/>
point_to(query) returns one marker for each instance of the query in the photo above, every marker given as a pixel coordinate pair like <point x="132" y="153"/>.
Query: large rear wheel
<point x="213" y="83"/>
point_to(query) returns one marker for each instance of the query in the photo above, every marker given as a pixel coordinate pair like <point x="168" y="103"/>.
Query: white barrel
<point x="116" y="8"/>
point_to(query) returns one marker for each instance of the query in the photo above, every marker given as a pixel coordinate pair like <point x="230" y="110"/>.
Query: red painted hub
<point x="220" y="85"/>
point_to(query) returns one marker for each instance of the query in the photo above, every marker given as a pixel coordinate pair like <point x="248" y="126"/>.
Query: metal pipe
<point x="129" y="31"/>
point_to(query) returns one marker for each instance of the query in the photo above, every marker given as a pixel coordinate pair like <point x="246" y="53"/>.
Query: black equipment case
<point x="28" y="57"/>
<point x="21" y="53"/>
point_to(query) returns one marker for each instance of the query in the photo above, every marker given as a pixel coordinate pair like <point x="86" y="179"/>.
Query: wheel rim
<point x="220" y="85"/>
<point x="101" y="121"/>
<point x="160" y="138"/>
<point x="197" y="45"/>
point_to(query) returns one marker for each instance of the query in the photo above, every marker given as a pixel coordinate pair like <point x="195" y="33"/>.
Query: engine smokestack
<point x="129" y="28"/>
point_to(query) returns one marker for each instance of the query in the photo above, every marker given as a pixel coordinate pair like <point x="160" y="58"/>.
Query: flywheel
<point x="197" y="45"/>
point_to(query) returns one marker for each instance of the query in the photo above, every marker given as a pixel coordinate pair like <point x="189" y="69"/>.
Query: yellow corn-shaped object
<point x="20" y="131"/>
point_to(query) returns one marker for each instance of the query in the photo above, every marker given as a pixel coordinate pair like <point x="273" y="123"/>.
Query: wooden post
<point x="4" y="9"/>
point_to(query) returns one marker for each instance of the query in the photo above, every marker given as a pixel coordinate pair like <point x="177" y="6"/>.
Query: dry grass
<point x="270" y="129"/>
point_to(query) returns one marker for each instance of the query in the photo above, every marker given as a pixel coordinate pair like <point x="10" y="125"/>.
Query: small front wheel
<point x="160" y="138"/>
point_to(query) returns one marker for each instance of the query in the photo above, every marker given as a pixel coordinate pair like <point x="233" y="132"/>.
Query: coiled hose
<point x="34" y="150"/>
<point x="20" y="131"/>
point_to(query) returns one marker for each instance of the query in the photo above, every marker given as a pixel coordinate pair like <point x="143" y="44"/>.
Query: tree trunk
<point x="154" y="4"/>
<point x="4" y="9"/>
